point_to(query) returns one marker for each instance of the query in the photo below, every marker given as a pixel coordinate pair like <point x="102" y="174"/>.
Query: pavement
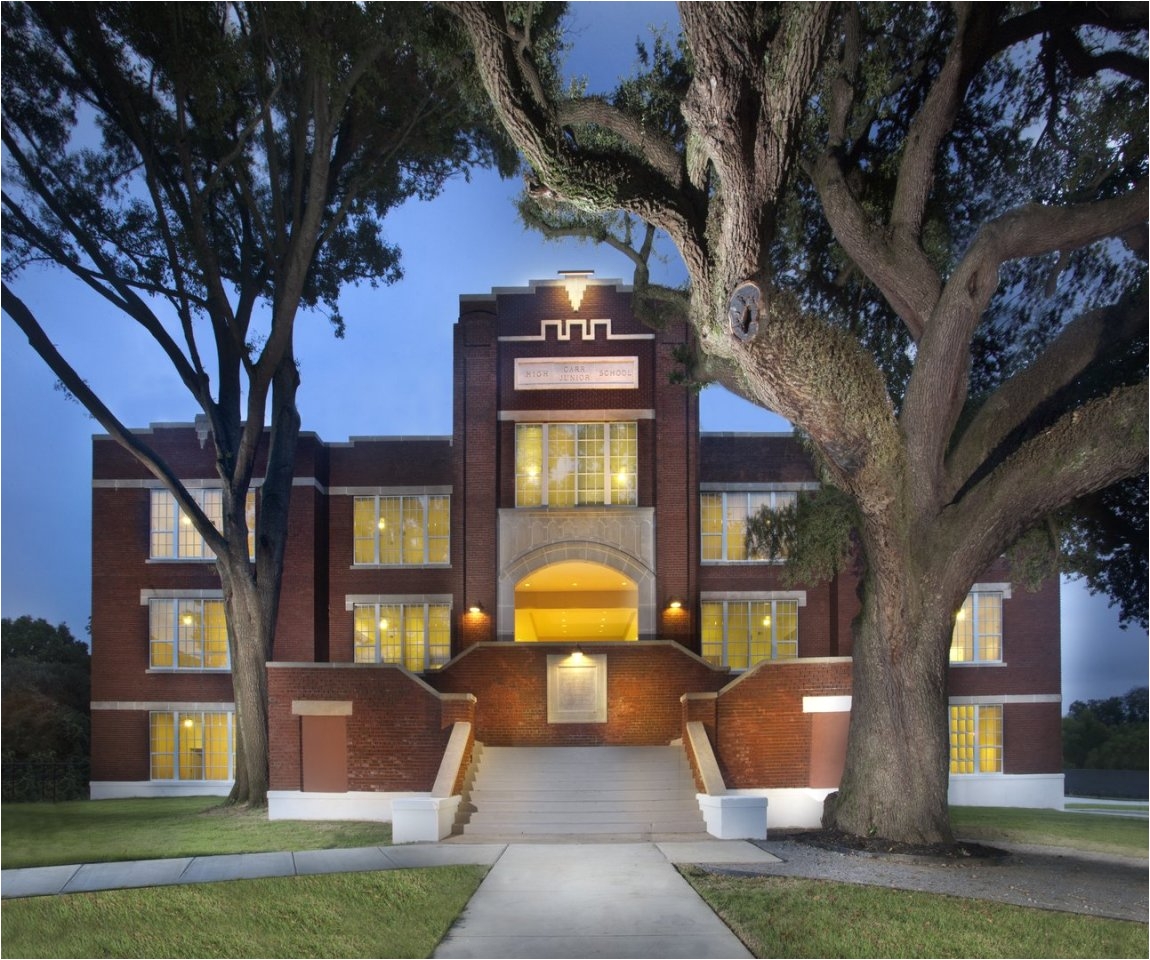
<point x="554" y="898"/>
<point x="537" y="900"/>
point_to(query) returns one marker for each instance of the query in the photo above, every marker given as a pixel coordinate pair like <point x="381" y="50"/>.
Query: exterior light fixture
<point x="575" y="281"/>
<point x="675" y="604"/>
<point x="475" y="608"/>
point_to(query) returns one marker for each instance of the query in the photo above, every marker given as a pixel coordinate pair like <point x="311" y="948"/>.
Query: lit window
<point x="740" y="633"/>
<point x="977" y="636"/>
<point x="187" y="634"/>
<point x="576" y="464"/>
<point x="976" y="739"/>
<point x="723" y="521"/>
<point x="402" y="531"/>
<point x="190" y="745"/>
<point x="414" y="635"/>
<point x="174" y="536"/>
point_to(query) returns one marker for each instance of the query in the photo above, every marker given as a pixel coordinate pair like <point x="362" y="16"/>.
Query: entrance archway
<point x="577" y="600"/>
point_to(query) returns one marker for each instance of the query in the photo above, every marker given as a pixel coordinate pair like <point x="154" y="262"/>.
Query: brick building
<point x="568" y="568"/>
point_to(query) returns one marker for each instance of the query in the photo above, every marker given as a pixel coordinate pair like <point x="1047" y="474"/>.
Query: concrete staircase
<point x="579" y="791"/>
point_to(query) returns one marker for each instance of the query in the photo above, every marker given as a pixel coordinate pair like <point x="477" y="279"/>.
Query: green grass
<point x="1082" y="831"/>
<point x="1104" y="805"/>
<point x="397" y="913"/>
<point x="93" y="831"/>
<point x="788" y="917"/>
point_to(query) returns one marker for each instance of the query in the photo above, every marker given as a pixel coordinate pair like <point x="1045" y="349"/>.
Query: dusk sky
<point x="390" y="376"/>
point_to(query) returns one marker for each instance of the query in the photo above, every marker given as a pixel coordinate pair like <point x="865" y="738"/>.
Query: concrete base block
<point x="298" y="805"/>
<point x="1038" y="790"/>
<point x="122" y="789"/>
<point x="422" y="819"/>
<point x="735" y="816"/>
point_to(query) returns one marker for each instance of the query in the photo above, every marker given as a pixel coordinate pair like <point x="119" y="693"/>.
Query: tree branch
<point x="1089" y="448"/>
<point x="1070" y="354"/>
<point x="78" y="387"/>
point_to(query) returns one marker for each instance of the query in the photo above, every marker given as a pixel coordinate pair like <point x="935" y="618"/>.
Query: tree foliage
<point x="209" y="170"/>
<point x="918" y="232"/>
<point x="46" y="684"/>
<point x="1109" y="734"/>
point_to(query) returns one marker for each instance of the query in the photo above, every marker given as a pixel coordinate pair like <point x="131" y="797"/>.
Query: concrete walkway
<point x="537" y="900"/>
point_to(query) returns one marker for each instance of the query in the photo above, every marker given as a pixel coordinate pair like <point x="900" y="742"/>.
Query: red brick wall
<point x="1031" y="652"/>
<point x="644" y="685"/>
<point x="396" y="733"/>
<point x="1032" y="738"/>
<point x="764" y="738"/>
<point x="476" y="456"/>
<point x="120" y="748"/>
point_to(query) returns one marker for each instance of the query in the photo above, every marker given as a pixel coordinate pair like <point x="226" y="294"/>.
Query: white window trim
<point x="742" y="490"/>
<point x="544" y="481"/>
<point x="978" y="704"/>
<point x="178" y="727"/>
<point x="1004" y="591"/>
<point x="799" y="598"/>
<point x="147" y="595"/>
<point x="424" y="497"/>
<point x="196" y="488"/>
<point x="405" y="602"/>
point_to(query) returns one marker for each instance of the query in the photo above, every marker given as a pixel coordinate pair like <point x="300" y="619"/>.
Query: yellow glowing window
<point x="191" y="745"/>
<point x="723" y="522"/>
<point x="402" y="531"/>
<point x="187" y="634"/>
<point x="976" y="738"/>
<point x="174" y="536"/>
<point x="977" y="634"/>
<point x="576" y="464"/>
<point x="414" y="635"/>
<point x="738" y="634"/>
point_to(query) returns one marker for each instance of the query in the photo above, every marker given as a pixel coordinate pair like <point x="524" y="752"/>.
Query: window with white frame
<point x="975" y="738"/>
<point x="191" y="745"/>
<point x="740" y="633"/>
<point x="187" y="634"/>
<point x="402" y="530"/>
<point x="576" y="464"/>
<point x="723" y="520"/>
<point x="415" y="635"/>
<point x="977" y="635"/>
<point x="175" y="537"/>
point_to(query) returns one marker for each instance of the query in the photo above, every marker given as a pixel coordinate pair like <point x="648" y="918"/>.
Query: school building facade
<point x="568" y="568"/>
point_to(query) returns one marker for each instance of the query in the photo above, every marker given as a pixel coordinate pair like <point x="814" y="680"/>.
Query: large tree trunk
<point x="252" y="590"/>
<point x="895" y="782"/>
<point x="250" y="637"/>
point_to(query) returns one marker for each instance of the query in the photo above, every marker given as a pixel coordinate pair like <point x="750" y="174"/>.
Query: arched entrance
<point x="577" y="600"/>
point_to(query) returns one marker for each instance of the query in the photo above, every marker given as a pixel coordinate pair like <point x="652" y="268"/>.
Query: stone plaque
<point x="586" y="373"/>
<point x="577" y="688"/>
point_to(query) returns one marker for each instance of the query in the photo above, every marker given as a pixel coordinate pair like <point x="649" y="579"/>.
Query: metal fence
<point x="1107" y="784"/>
<point x="35" y="781"/>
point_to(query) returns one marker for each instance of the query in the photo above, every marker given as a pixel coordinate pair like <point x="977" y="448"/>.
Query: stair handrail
<point x="703" y="759"/>
<point x="454" y="757"/>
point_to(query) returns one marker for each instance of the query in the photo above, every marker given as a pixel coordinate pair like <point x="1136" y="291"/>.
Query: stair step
<point x="518" y="791"/>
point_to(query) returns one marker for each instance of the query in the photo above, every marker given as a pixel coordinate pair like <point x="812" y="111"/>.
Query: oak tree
<point x="919" y="234"/>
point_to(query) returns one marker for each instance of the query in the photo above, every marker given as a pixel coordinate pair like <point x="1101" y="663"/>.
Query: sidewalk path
<point x="82" y="878"/>
<point x="598" y="900"/>
<point x="538" y="900"/>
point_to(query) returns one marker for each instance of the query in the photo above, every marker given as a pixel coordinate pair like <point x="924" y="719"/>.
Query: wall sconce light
<point x="475" y="608"/>
<point x="674" y="604"/>
<point x="576" y="282"/>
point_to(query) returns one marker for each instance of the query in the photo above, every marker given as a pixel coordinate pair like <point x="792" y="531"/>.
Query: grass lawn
<point x="1082" y="831"/>
<point x="92" y="831"/>
<point x="789" y="917"/>
<point x="397" y="913"/>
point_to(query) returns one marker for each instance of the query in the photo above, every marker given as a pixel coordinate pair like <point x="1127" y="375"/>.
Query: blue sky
<point x="391" y="375"/>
